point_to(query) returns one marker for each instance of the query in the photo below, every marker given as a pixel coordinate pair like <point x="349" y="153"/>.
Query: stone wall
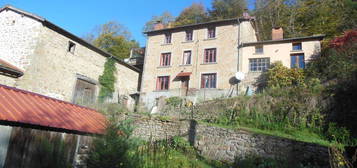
<point x="49" y="68"/>
<point x="18" y="38"/>
<point x="226" y="144"/>
<point x="225" y="67"/>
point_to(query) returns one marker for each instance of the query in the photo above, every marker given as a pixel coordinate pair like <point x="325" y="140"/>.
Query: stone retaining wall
<point x="227" y="145"/>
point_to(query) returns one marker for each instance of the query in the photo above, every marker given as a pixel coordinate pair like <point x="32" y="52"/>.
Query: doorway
<point x="185" y="82"/>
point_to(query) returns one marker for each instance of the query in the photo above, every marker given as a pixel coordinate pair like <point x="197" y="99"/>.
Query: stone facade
<point x="235" y="44"/>
<point x="225" y="67"/>
<point x="49" y="67"/>
<point x="227" y="145"/>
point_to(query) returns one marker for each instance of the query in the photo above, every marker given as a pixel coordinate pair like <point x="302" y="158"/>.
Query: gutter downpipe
<point x="238" y="57"/>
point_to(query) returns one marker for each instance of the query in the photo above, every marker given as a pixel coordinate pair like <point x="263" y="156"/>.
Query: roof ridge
<point x="45" y="97"/>
<point x="64" y="32"/>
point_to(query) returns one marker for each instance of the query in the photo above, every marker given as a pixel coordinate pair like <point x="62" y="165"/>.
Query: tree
<point x="116" y="45"/>
<point x="196" y="13"/>
<point x="305" y="17"/>
<point x="275" y="13"/>
<point x="164" y="18"/>
<point x="111" y="27"/>
<point x="113" y="149"/>
<point x="113" y="38"/>
<point x="226" y="9"/>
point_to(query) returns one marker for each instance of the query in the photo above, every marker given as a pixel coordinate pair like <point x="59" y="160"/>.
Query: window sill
<point x="166" y="44"/>
<point x="207" y="39"/>
<point x="161" y="91"/>
<point x="208" y="89"/>
<point x="296" y="51"/>
<point x="191" y="41"/>
<point x="164" y="66"/>
<point x="209" y="63"/>
<point x="185" y="65"/>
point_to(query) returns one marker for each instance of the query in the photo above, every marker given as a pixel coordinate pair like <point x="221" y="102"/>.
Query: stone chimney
<point x="246" y="14"/>
<point x="277" y="33"/>
<point x="158" y="25"/>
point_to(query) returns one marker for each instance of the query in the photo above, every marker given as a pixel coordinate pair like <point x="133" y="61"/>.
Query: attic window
<point x="71" y="47"/>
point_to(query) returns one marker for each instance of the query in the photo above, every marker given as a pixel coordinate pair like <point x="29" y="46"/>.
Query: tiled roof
<point x="23" y="108"/>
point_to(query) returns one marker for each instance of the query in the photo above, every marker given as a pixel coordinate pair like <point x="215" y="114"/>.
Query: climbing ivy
<point x="107" y="80"/>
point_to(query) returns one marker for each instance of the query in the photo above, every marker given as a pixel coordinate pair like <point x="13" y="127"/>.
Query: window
<point x="208" y="80"/>
<point x="297" y="46"/>
<point x="297" y="61"/>
<point x="84" y="92"/>
<point x="162" y="83"/>
<point x="259" y="64"/>
<point x="165" y="59"/>
<point x="210" y="55"/>
<point x="259" y="49"/>
<point x="186" y="58"/>
<point x="211" y="32"/>
<point x="167" y="38"/>
<point x="189" y="35"/>
<point x="71" y="47"/>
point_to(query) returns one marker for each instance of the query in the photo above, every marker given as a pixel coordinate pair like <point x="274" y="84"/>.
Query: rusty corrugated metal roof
<point x="23" y="107"/>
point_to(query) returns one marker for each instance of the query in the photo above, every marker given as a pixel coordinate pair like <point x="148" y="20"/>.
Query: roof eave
<point x="68" y="34"/>
<point x="10" y="72"/>
<point x="198" y="24"/>
<point x="317" y="37"/>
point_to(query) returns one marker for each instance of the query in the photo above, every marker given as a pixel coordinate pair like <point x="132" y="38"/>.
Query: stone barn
<point x="39" y="56"/>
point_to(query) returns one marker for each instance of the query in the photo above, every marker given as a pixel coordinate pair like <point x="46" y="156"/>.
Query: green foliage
<point x="227" y="9"/>
<point x="338" y="134"/>
<point x="196" y="13"/>
<point x="115" y="149"/>
<point x="280" y="76"/>
<point x="113" y="38"/>
<point x="305" y="17"/>
<point x="165" y="18"/>
<point x="337" y="68"/>
<point x="174" y="101"/>
<point x="173" y="153"/>
<point x="118" y="46"/>
<point x="107" y="80"/>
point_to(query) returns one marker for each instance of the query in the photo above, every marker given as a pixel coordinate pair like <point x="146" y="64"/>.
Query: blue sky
<point x="81" y="16"/>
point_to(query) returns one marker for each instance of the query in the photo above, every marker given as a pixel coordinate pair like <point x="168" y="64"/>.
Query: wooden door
<point x="184" y="86"/>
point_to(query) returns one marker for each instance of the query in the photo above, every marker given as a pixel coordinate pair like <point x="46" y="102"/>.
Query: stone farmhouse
<point x="199" y="61"/>
<point x="39" y="56"/>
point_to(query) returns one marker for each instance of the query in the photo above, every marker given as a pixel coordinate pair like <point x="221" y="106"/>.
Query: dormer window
<point x="259" y="49"/>
<point x="297" y="47"/>
<point x="211" y="32"/>
<point x="167" y="38"/>
<point x="189" y="35"/>
<point x="71" y="47"/>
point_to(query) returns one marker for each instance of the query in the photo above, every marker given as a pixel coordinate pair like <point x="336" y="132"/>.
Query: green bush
<point x="116" y="148"/>
<point x="174" y="101"/>
<point x="280" y="76"/>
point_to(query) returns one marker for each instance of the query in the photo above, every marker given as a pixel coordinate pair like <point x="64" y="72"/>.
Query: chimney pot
<point x="158" y="25"/>
<point x="246" y="14"/>
<point x="277" y="33"/>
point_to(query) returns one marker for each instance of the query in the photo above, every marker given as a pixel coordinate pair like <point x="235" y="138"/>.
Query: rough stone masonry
<point x="228" y="145"/>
